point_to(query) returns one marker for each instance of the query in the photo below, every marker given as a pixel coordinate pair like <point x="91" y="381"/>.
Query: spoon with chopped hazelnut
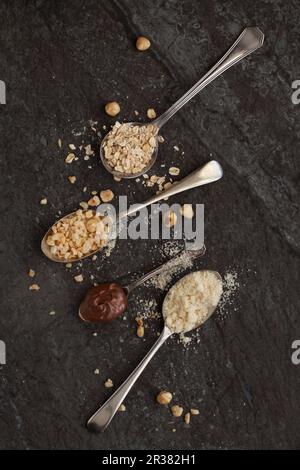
<point x="187" y="305"/>
<point x="84" y="232"/>
<point x="130" y="149"/>
<point x="105" y="302"/>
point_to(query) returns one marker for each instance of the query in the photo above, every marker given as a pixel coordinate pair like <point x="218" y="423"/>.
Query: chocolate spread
<point x="103" y="303"/>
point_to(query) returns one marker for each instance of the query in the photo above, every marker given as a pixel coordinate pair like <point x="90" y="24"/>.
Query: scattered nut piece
<point x="72" y="179"/>
<point x="94" y="201"/>
<point x="88" y="150"/>
<point x="52" y="312"/>
<point x="187" y="211"/>
<point x="112" y="108"/>
<point x="116" y="178"/>
<point x="194" y="411"/>
<point x="31" y="273"/>
<point x="94" y="257"/>
<point x="34" y="287"/>
<point x="59" y="143"/>
<point x="108" y="383"/>
<point x="84" y="205"/>
<point x="95" y="333"/>
<point x="78" y="278"/>
<point x="43" y="201"/>
<point x="170" y="218"/>
<point x="151" y="113"/>
<point x="70" y="158"/>
<point x="142" y="43"/>
<point x="122" y="407"/>
<point x="106" y="195"/>
<point x="174" y="171"/>
<point x="72" y="146"/>
<point x="139" y="321"/>
<point x="187" y="418"/>
<point x="176" y="410"/>
<point x="140" y="331"/>
<point x="69" y="265"/>
<point x="97" y="371"/>
<point x="164" y="398"/>
<point x="94" y="193"/>
<point x="176" y="148"/>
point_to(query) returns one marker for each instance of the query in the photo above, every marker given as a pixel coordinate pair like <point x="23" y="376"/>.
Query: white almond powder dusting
<point x="189" y="302"/>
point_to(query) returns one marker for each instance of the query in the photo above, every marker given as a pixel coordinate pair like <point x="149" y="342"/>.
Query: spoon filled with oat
<point x="187" y="305"/>
<point x="130" y="149"/>
<point x="84" y="232"/>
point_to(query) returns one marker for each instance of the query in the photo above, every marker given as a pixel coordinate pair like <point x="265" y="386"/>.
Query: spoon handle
<point x="209" y="173"/>
<point x="250" y="40"/>
<point x="101" y="419"/>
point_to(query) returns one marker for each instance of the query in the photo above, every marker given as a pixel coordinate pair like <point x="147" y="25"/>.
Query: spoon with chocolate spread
<point x="105" y="302"/>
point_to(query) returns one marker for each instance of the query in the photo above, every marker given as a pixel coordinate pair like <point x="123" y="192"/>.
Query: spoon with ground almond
<point x="106" y="302"/>
<point x="84" y="232"/>
<point x="131" y="149"/>
<point x="187" y="305"/>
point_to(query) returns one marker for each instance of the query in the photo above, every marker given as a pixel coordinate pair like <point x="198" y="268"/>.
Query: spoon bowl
<point x="119" y="174"/>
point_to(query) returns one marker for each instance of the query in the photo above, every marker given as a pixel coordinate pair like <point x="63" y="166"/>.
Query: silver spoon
<point x="210" y="172"/>
<point x="101" y="419"/>
<point x="250" y="40"/>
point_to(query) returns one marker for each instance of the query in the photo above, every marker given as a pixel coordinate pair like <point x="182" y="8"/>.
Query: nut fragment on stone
<point x="70" y="158"/>
<point x="106" y="195"/>
<point x="69" y="265"/>
<point x="108" y="383"/>
<point x="72" y="146"/>
<point x="43" y="201"/>
<point x="164" y="398"/>
<point x="94" y="201"/>
<point x="78" y="278"/>
<point x="186" y="210"/>
<point x="176" y="410"/>
<point x="97" y="371"/>
<point x="142" y="43"/>
<point x="194" y="411"/>
<point x="187" y="418"/>
<point x="34" y="287"/>
<point x="129" y="148"/>
<point x="174" y="171"/>
<point x="140" y="331"/>
<point x="116" y="178"/>
<point x="112" y="108"/>
<point x="72" y="179"/>
<point x="122" y="407"/>
<point x="169" y="218"/>
<point x="31" y="273"/>
<point x="151" y="113"/>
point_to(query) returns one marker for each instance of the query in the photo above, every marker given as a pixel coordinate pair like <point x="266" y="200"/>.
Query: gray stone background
<point x="61" y="62"/>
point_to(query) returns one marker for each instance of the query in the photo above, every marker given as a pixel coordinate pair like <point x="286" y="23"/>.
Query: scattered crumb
<point x="69" y="265"/>
<point x="194" y="411"/>
<point x="97" y="371"/>
<point x="70" y="158"/>
<point x="94" y="201"/>
<point x="176" y="411"/>
<point x="164" y="398"/>
<point x="174" y="171"/>
<point x="112" y="108"/>
<point x="142" y="43"/>
<point x="52" y="312"/>
<point x="94" y="257"/>
<point x="34" y="287"/>
<point x="31" y="273"/>
<point x="72" y="179"/>
<point x="187" y="418"/>
<point x="78" y="278"/>
<point x="108" y="383"/>
<point x="44" y="201"/>
<point x="151" y="113"/>
<point x="176" y="148"/>
<point x="72" y="146"/>
<point x="107" y="195"/>
<point x="122" y="407"/>
<point x="95" y="333"/>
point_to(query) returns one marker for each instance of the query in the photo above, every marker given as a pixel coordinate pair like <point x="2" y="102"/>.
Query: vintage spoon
<point x="101" y="419"/>
<point x="210" y="172"/>
<point x="248" y="41"/>
<point x="190" y="254"/>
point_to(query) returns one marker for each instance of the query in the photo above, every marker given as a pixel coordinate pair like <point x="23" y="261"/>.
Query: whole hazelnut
<point x="112" y="108"/>
<point x="142" y="43"/>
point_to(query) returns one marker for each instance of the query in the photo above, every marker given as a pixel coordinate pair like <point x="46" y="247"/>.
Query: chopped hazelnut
<point x="187" y="418"/>
<point x="151" y="113"/>
<point x="97" y="371"/>
<point x="194" y="411"/>
<point x="70" y="157"/>
<point x="108" y="383"/>
<point x="72" y="146"/>
<point x="164" y="398"/>
<point x="174" y="171"/>
<point x="142" y="43"/>
<point x="122" y="407"/>
<point x="84" y="205"/>
<point x="187" y="211"/>
<point x="78" y="278"/>
<point x="116" y="178"/>
<point x="69" y="265"/>
<point x="112" y="108"/>
<point x="170" y="219"/>
<point x="140" y="331"/>
<point x="176" y="410"/>
<point x="106" y="195"/>
<point x="72" y="179"/>
<point x="34" y="287"/>
<point x="94" y="201"/>
<point x="43" y="201"/>
<point x="52" y="312"/>
<point x="59" y="143"/>
<point x="31" y="273"/>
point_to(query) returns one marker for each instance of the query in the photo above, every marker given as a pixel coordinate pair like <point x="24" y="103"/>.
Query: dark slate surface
<point x="62" y="61"/>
